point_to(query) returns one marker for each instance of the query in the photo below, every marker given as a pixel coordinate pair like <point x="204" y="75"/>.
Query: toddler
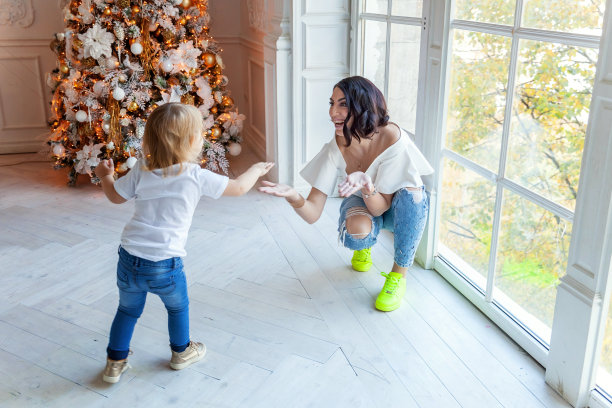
<point x="167" y="186"/>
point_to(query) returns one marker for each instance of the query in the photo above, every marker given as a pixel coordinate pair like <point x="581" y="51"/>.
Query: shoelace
<point x="391" y="283"/>
<point x="363" y="255"/>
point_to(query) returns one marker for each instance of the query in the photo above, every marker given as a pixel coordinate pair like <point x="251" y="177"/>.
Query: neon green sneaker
<point x="390" y="297"/>
<point x="362" y="260"/>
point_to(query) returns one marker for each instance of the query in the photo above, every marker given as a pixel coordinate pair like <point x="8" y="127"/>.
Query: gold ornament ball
<point x="209" y="59"/>
<point x="133" y="106"/>
<point x="215" y="133"/>
<point x="64" y="69"/>
<point x="168" y="35"/>
<point x="183" y="21"/>
<point x="186" y="3"/>
<point x="123" y="3"/>
<point x="188" y="99"/>
<point x="214" y="110"/>
<point x="107" y="11"/>
<point x="135" y="9"/>
<point x="227" y="102"/>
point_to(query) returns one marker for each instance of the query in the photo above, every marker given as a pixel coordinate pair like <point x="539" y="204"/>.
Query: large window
<point x="389" y="51"/>
<point x="520" y="79"/>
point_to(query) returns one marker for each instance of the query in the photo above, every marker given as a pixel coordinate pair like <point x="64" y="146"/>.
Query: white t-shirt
<point x="400" y="165"/>
<point x="164" y="207"/>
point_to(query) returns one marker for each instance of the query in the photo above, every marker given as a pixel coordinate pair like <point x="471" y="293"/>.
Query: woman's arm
<point x="309" y="209"/>
<point x="376" y="202"/>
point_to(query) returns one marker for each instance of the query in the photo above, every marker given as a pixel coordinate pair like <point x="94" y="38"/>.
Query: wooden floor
<point x="286" y="321"/>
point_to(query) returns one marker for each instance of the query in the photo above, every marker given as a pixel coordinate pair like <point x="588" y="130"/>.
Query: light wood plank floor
<point x="286" y="321"/>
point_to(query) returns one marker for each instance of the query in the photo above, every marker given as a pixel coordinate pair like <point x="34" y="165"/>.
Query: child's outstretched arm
<point x="244" y="182"/>
<point x="105" y="171"/>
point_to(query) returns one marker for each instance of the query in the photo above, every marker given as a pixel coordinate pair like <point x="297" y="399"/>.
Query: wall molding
<point x="16" y="12"/>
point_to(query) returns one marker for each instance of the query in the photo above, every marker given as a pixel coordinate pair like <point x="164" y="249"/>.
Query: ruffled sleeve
<point x="322" y="171"/>
<point x="403" y="167"/>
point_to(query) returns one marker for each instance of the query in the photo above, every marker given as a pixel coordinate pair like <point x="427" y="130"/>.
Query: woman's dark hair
<point x="366" y="105"/>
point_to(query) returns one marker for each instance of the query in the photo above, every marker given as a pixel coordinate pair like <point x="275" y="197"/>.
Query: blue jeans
<point x="405" y="218"/>
<point x="137" y="276"/>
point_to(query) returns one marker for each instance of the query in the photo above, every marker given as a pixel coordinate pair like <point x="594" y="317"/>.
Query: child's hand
<point x="105" y="168"/>
<point x="262" y="167"/>
<point x="278" y="190"/>
<point x="354" y="182"/>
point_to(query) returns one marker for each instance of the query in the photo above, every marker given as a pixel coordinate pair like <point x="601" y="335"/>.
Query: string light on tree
<point x="117" y="60"/>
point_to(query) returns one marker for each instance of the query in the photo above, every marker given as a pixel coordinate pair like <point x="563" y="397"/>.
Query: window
<point x="520" y="79"/>
<point x="391" y="38"/>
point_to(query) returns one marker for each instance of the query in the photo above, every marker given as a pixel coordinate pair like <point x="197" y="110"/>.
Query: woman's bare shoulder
<point x="389" y="134"/>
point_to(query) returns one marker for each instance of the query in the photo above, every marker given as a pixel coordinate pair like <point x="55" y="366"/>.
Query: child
<point x="167" y="187"/>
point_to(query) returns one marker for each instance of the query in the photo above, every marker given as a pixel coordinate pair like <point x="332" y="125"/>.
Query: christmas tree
<point x="120" y="59"/>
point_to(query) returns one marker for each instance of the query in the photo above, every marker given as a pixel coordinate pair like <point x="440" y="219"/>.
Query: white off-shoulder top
<point x="400" y="165"/>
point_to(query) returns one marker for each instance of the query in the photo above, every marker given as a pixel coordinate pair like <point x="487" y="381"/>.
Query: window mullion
<point x="388" y="50"/>
<point x="499" y="196"/>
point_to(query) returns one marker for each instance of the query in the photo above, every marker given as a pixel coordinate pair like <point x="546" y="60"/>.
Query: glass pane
<point x="376" y="6"/>
<point x="477" y="96"/>
<point x="572" y="16"/>
<point x="374" y="49"/>
<point x="531" y="258"/>
<point x="407" y="8"/>
<point x="467" y="206"/>
<point x="490" y="11"/>
<point x="404" y="75"/>
<point x="549" y="118"/>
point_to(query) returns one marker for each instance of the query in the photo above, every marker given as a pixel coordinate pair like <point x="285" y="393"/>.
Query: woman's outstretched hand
<point x="353" y="182"/>
<point x="276" y="189"/>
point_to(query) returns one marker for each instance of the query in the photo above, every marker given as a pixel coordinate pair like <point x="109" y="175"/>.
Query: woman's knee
<point x="358" y="225"/>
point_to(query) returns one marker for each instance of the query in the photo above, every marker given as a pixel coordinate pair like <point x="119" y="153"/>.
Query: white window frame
<point x="584" y="294"/>
<point x="357" y="53"/>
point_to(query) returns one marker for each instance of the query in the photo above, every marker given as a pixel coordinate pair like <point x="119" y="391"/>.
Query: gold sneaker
<point x="114" y="369"/>
<point x="194" y="352"/>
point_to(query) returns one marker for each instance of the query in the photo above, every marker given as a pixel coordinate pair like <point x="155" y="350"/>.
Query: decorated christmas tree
<point x="120" y="59"/>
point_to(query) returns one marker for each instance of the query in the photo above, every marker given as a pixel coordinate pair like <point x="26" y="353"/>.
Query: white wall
<point x="242" y="55"/>
<point x="25" y="58"/>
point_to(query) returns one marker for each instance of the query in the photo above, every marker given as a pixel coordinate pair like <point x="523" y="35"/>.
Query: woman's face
<point x="338" y="110"/>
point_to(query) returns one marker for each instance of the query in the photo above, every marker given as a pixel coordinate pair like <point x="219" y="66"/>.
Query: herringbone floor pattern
<point x="286" y="321"/>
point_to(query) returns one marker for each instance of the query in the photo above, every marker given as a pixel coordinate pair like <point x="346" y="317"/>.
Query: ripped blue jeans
<point x="405" y="218"/>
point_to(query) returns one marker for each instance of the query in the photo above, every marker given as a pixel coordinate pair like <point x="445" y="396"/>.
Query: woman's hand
<point x="278" y="190"/>
<point x="353" y="182"/>
<point x="105" y="168"/>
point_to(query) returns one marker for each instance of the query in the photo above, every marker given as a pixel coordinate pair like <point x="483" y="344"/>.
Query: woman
<point x="382" y="171"/>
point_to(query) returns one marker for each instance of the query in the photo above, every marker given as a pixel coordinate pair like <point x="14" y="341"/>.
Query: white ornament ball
<point x="118" y="94"/>
<point x="106" y="127"/>
<point x="122" y="78"/>
<point x="81" y="116"/>
<point x="110" y="145"/>
<point x="112" y="63"/>
<point x="58" y="150"/>
<point x="60" y="36"/>
<point x="167" y="66"/>
<point x="153" y="26"/>
<point x="136" y="48"/>
<point x="131" y="162"/>
<point x="98" y="87"/>
<point x="234" y="149"/>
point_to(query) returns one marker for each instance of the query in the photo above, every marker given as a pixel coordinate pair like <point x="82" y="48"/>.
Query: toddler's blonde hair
<point x="169" y="136"/>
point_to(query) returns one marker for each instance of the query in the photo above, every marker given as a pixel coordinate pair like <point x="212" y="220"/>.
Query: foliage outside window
<point x="520" y="79"/>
